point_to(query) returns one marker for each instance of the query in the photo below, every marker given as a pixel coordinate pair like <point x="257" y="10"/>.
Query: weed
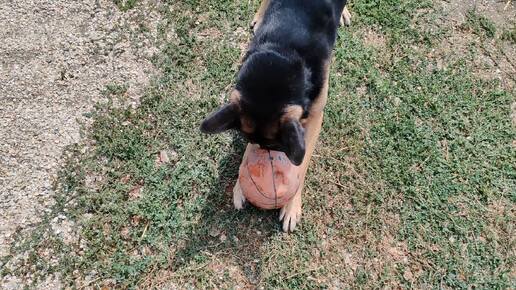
<point x="509" y="34"/>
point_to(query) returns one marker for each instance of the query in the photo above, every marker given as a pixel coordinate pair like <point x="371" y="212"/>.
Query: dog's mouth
<point x="272" y="147"/>
<point x="264" y="143"/>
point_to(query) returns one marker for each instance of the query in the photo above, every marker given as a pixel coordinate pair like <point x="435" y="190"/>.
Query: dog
<point x="282" y="85"/>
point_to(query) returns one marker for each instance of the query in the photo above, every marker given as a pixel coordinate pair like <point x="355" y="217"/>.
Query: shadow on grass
<point x="223" y="230"/>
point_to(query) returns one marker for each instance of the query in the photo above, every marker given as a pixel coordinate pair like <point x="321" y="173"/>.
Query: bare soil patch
<point x="493" y="57"/>
<point x="56" y="58"/>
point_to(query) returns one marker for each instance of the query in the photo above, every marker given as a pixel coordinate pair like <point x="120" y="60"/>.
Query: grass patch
<point x="509" y="34"/>
<point x="480" y="24"/>
<point x="125" y="5"/>
<point x="412" y="183"/>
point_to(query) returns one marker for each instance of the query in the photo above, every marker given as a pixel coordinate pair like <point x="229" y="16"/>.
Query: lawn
<point x="412" y="185"/>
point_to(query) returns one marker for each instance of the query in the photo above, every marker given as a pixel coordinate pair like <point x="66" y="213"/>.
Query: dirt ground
<point x="496" y="60"/>
<point x="56" y="58"/>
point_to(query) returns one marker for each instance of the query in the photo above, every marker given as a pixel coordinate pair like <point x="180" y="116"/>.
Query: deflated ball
<point x="267" y="178"/>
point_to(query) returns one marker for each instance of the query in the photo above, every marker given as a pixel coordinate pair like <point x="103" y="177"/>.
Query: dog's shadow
<point x="225" y="232"/>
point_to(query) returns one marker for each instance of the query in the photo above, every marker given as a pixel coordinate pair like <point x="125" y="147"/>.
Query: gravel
<point x="56" y="58"/>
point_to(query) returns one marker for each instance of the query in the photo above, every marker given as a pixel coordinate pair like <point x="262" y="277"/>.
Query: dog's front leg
<point x="291" y="213"/>
<point x="238" y="196"/>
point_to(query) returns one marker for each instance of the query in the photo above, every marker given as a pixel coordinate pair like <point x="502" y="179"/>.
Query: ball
<point x="268" y="179"/>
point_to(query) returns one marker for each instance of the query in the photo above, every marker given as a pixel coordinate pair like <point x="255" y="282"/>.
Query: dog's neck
<point x="271" y="46"/>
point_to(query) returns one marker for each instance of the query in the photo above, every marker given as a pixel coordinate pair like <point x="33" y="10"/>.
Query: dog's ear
<point x="221" y="120"/>
<point x="293" y="136"/>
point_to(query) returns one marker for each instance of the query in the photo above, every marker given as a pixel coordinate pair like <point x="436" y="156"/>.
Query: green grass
<point x="125" y="5"/>
<point x="412" y="183"/>
<point x="509" y="34"/>
<point x="480" y="25"/>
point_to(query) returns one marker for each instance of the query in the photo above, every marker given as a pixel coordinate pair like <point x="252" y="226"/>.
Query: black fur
<point x="221" y="120"/>
<point x="292" y="135"/>
<point x="285" y="66"/>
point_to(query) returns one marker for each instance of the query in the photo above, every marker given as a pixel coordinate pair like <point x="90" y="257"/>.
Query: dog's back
<point x="308" y="27"/>
<point x="301" y="22"/>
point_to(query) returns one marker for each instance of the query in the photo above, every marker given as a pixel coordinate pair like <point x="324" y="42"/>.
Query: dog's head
<point x="268" y="104"/>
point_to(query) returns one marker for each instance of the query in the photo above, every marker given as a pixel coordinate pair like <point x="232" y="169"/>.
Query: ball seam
<point x="254" y="183"/>
<point x="273" y="180"/>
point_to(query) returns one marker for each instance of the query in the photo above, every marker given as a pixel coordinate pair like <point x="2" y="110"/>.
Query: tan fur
<point x="292" y="112"/>
<point x="257" y="20"/>
<point x="345" y="18"/>
<point x="234" y="97"/>
<point x="247" y="125"/>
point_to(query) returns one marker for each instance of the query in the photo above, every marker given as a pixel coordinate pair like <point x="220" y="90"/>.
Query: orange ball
<point x="268" y="179"/>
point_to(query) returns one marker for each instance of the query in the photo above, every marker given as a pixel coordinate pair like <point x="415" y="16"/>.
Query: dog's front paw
<point x="345" y="18"/>
<point x="238" y="197"/>
<point x="290" y="214"/>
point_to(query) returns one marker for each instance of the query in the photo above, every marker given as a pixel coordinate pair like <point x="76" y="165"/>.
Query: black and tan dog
<point x="282" y="85"/>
